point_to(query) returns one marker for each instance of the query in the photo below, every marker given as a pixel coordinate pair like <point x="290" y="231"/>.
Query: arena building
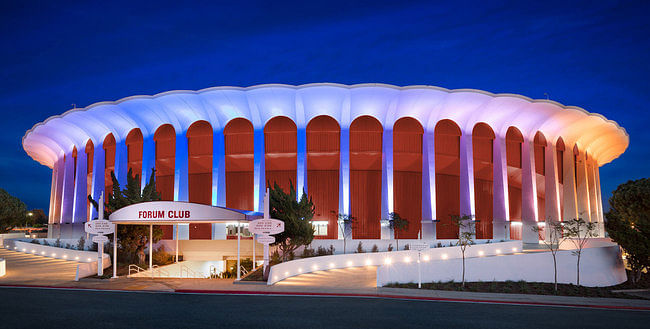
<point x="366" y="150"/>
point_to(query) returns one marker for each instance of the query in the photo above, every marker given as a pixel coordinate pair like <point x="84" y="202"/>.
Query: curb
<point x="441" y="299"/>
<point x="325" y="294"/>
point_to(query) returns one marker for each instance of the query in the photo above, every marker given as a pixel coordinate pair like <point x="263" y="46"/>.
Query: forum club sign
<point x="171" y="212"/>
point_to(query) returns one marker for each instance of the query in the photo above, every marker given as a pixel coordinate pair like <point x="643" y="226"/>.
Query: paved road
<point x="32" y="308"/>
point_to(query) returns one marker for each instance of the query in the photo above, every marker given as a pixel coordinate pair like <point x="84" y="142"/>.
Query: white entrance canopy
<point x="178" y="212"/>
<point x="175" y="212"/>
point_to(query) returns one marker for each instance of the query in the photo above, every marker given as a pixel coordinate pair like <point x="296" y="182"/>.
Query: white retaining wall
<point x="87" y="259"/>
<point x="599" y="267"/>
<point x="3" y="267"/>
<point x="307" y="265"/>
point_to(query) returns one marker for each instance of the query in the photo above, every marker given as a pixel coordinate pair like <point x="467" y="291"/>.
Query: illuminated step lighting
<point x="407" y="259"/>
<point x="387" y="261"/>
<point x="368" y="262"/>
<point x="349" y="263"/>
<point x="444" y="256"/>
<point x="498" y="251"/>
<point x="426" y="258"/>
<point x="480" y="253"/>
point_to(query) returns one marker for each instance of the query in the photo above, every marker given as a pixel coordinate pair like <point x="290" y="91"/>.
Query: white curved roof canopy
<point x="603" y="139"/>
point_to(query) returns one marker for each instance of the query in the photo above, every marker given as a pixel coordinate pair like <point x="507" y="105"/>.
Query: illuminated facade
<point x="366" y="150"/>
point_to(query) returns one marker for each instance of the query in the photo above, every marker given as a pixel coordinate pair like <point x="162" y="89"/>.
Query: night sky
<point x="593" y="55"/>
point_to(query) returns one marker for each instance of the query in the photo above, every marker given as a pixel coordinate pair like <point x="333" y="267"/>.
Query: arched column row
<point x="507" y="183"/>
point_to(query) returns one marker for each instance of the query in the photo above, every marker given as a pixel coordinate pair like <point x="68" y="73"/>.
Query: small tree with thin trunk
<point x="578" y="231"/>
<point x="345" y="223"/>
<point x="553" y="241"/>
<point x="465" y="237"/>
<point x="296" y="215"/>
<point x="397" y="224"/>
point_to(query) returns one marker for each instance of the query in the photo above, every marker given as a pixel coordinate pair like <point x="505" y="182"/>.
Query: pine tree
<point x="296" y="215"/>
<point x="132" y="239"/>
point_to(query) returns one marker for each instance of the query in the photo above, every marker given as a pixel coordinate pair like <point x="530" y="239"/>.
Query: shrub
<point x="439" y="245"/>
<point x="57" y="243"/>
<point x="360" y="248"/>
<point x="275" y="258"/>
<point x="324" y="251"/>
<point x="162" y="257"/>
<point x="292" y="255"/>
<point x="407" y="247"/>
<point x="488" y="241"/>
<point x="81" y="245"/>
<point x="308" y="252"/>
<point x="390" y="247"/>
<point x="375" y="248"/>
<point x="35" y="241"/>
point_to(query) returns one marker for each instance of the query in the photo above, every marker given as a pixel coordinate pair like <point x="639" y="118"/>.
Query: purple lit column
<point x="467" y="207"/>
<point x="528" y="193"/>
<point x="500" y="205"/>
<point x="386" y="181"/>
<point x="121" y="162"/>
<point x="180" y="170"/>
<point x="67" y="200"/>
<point x="569" y="185"/>
<point x="301" y="165"/>
<point x="148" y="160"/>
<point x="428" y="186"/>
<point x="582" y="188"/>
<point x="344" y="173"/>
<point x="80" y="194"/>
<point x="97" y="180"/>
<point x="552" y="188"/>
<point x="259" y="169"/>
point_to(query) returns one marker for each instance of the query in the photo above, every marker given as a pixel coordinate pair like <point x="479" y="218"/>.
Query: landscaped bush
<point x="375" y="248"/>
<point x="360" y="248"/>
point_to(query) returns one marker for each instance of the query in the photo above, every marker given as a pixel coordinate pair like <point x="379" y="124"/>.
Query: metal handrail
<point x="135" y="268"/>
<point x="188" y="271"/>
<point x="160" y="271"/>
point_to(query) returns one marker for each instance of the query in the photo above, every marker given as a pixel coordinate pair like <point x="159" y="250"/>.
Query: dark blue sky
<point x="593" y="55"/>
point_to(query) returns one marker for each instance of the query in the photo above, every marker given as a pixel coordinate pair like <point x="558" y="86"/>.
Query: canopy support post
<point x="176" y="238"/>
<point x="151" y="249"/>
<point x="238" y="248"/>
<point x="115" y="253"/>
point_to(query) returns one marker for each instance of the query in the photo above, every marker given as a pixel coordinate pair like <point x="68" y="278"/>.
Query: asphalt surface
<point x="49" y="308"/>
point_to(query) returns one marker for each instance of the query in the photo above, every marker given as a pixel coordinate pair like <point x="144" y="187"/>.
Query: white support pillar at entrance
<point x="582" y="187"/>
<point x="259" y="174"/>
<point x="467" y="206"/>
<point x="528" y="193"/>
<point x="115" y="252"/>
<point x="569" y="186"/>
<point x="151" y="249"/>
<point x="428" y="186"/>
<point x="500" y="201"/>
<point x="552" y="188"/>
<point x="238" y="250"/>
<point x="386" y="181"/>
<point x="176" y="238"/>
